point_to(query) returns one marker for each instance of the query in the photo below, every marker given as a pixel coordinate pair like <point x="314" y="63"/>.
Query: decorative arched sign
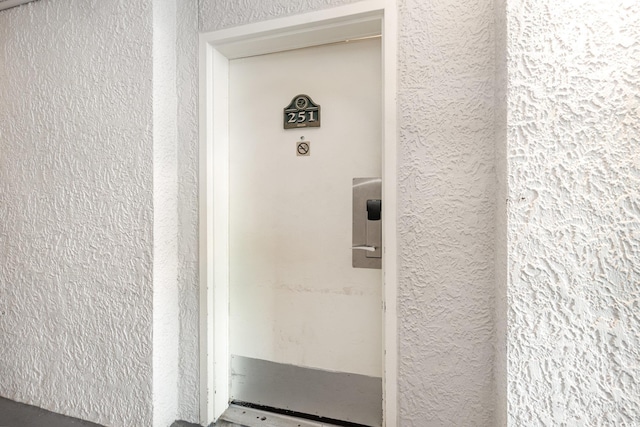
<point x="302" y="112"/>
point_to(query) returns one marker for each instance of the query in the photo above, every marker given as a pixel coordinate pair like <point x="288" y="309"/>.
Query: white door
<point x="305" y="326"/>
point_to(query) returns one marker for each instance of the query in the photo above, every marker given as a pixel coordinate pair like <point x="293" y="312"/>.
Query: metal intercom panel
<point x="367" y="223"/>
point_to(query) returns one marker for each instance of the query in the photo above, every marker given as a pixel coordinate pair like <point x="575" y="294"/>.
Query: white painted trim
<point x="206" y="234"/>
<point x="214" y="233"/>
<point x="216" y="48"/>
<point x="390" y="211"/>
<point x="294" y="26"/>
<point x="222" y="362"/>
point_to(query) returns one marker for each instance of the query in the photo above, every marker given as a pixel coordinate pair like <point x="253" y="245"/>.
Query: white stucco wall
<point x="188" y="150"/>
<point x="447" y="213"/>
<point x="91" y="189"/>
<point x="574" y="212"/>
<point x="215" y="15"/>
<point x="165" y="215"/>
<point x="83" y="169"/>
<point x="76" y="213"/>
<point x="501" y="245"/>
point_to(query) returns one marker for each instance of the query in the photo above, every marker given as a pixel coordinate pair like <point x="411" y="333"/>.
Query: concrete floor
<point x="14" y="414"/>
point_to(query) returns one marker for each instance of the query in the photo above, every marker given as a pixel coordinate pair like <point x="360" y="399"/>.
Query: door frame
<point x="362" y="19"/>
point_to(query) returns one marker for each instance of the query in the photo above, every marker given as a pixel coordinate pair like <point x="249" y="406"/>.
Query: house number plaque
<point x="302" y="112"/>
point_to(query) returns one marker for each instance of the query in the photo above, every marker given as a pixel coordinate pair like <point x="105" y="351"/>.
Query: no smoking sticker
<point x="303" y="148"/>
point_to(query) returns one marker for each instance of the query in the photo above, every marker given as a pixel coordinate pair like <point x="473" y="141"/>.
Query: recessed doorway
<point x="218" y="51"/>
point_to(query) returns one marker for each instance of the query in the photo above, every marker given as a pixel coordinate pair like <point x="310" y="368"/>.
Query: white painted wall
<point x="294" y="296"/>
<point x="76" y="210"/>
<point x="574" y="213"/>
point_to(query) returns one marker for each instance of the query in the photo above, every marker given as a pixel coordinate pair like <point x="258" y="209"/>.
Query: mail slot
<point x="367" y="223"/>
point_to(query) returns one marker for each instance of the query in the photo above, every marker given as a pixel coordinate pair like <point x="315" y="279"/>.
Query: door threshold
<point x="251" y="417"/>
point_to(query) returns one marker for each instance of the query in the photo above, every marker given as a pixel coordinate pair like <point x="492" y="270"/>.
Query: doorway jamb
<point x="361" y="19"/>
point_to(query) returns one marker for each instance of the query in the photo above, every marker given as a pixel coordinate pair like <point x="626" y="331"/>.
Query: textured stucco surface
<point x="189" y="288"/>
<point x="447" y="213"/>
<point x="165" y="215"/>
<point x="574" y="215"/>
<point x="76" y="208"/>
<point x="215" y="15"/>
<point x="78" y="199"/>
<point x="501" y="245"/>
